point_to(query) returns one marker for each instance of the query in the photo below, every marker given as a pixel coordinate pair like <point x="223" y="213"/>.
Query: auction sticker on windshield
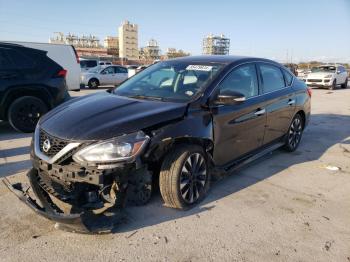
<point x="199" y="68"/>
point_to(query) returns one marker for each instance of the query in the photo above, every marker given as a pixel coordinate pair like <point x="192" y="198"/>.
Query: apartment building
<point x="216" y="45"/>
<point x="128" y="41"/>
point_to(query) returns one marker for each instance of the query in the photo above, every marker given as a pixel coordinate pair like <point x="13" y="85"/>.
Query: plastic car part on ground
<point x="84" y="222"/>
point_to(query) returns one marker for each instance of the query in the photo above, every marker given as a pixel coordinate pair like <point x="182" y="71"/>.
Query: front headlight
<point x="328" y="76"/>
<point x="118" y="149"/>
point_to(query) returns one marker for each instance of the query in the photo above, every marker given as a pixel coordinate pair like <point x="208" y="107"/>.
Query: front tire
<point x="184" y="177"/>
<point x="345" y="85"/>
<point x="334" y="85"/>
<point x="24" y="113"/>
<point x="294" y="134"/>
<point x="93" y="83"/>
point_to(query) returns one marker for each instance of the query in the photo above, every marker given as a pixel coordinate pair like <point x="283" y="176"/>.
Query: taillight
<point x="61" y="73"/>
<point x="309" y="91"/>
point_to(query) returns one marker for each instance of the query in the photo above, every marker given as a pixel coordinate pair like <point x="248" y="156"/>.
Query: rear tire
<point x="184" y="177"/>
<point x="294" y="134"/>
<point x="24" y="113"/>
<point x="345" y="85"/>
<point x="93" y="83"/>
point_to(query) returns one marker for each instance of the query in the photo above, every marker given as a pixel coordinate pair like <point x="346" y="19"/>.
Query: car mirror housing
<point x="229" y="98"/>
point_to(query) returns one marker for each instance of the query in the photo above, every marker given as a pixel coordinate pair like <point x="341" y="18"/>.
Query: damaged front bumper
<point x="86" y="221"/>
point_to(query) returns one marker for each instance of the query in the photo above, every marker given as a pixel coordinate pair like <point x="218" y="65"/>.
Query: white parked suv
<point x="99" y="76"/>
<point x="329" y="76"/>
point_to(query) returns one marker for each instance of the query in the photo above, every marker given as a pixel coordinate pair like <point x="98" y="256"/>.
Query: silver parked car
<point x="110" y="75"/>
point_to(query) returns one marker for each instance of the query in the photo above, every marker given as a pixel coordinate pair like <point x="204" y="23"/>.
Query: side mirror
<point x="338" y="72"/>
<point x="228" y="97"/>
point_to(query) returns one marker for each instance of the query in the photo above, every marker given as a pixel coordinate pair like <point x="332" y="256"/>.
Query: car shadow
<point x="315" y="142"/>
<point x="14" y="150"/>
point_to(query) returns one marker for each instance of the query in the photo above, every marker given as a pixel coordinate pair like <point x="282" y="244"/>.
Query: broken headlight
<point x="122" y="148"/>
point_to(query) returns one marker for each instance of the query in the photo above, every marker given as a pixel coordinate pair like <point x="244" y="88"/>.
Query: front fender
<point x="196" y="127"/>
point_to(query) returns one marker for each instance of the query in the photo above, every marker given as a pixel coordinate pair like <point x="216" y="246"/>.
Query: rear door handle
<point x="260" y="112"/>
<point x="291" y="102"/>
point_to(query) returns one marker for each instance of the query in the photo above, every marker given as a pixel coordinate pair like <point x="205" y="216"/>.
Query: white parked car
<point x="64" y="55"/>
<point x="329" y="76"/>
<point x="110" y="75"/>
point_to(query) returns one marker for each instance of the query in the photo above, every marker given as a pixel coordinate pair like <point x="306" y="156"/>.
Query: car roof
<point x="223" y="59"/>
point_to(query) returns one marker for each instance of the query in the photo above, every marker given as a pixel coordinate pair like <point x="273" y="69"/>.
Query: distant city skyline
<point x="281" y="30"/>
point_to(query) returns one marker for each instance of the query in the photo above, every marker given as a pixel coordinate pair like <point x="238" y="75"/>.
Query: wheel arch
<point x="157" y="152"/>
<point x="40" y="93"/>
<point x="303" y="116"/>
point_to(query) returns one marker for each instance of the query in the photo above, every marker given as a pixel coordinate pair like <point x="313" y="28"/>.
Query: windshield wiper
<point x="147" y="97"/>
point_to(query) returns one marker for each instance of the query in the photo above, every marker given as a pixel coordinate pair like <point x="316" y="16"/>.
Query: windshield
<point x="330" y="69"/>
<point x="170" y="81"/>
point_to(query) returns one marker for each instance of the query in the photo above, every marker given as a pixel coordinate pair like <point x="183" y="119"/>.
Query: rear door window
<point x="272" y="78"/>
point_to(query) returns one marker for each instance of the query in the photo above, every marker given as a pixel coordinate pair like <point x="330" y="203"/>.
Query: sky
<point x="283" y="30"/>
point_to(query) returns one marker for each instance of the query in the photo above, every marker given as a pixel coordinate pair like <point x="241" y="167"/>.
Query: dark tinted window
<point x="288" y="76"/>
<point x="272" y="78"/>
<point x="121" y="70"/>
<point x="88" y="63"/>
<point x="19" y="59"/>
<point x="243" y="80"/>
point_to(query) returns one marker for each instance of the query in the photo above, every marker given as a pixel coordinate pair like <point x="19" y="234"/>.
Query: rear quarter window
<point x="288" y="77"/>
<point x="4" y="62"/>
<point x="19" y="59"/>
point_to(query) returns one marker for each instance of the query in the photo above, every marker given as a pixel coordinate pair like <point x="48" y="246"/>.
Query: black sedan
<point x="177" y="122"/>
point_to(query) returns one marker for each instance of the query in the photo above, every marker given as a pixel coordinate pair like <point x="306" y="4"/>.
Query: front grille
<point x="56" y="144"/>
<point x="315" y="80"/>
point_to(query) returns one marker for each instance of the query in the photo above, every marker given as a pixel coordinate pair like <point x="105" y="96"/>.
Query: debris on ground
<point x="331" y="168"/>
<point x="328" y="245"/>
<point x="133" y="233"/>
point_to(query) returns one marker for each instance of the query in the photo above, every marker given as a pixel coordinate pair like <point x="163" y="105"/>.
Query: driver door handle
<point x="260" y="111"/>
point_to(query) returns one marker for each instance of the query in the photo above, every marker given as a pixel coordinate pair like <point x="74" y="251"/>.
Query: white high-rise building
<point x="128" y="41"/>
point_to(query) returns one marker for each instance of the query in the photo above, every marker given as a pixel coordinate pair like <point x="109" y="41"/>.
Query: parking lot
<point x="285" y="207"/>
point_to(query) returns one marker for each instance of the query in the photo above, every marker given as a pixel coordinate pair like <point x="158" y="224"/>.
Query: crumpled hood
<point x="318" y="75"/>
<point x="103" y="115"/>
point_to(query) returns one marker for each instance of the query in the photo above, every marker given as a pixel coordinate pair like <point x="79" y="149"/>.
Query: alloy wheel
<point x="28" y="114"/>
<point x="295" y="133"/>
<point x="193" y="178"/>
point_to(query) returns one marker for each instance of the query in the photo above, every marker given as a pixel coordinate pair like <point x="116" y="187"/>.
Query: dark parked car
<point x="179" y="121"/>
<point x="30" y="85"/>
